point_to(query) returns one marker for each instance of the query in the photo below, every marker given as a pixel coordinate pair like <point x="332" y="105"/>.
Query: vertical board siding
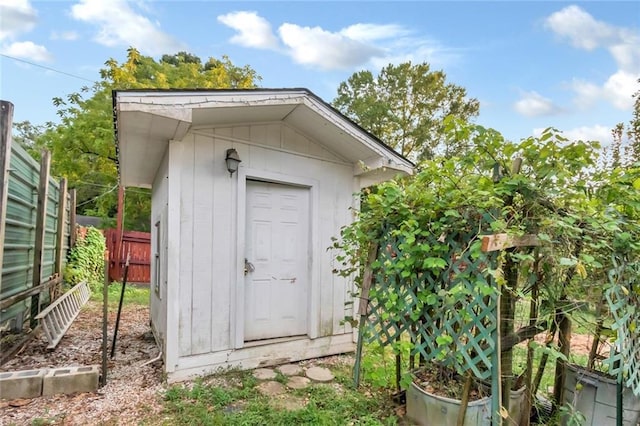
<point x="208" y="226"/>
<point x="186" y="244"/>
<point x="274" y="135"/>
<point x="159" y="202"/>
<point x="201" y="260"/>
<point x="221" y="243"/>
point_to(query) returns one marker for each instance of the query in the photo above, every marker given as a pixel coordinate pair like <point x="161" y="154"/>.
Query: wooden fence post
<point x="60" y="232"/>
<point x="62" y="216"/>
<point x="72" y="218"/>
<point x="41" y="216"/>
<point x="6" y="122"/>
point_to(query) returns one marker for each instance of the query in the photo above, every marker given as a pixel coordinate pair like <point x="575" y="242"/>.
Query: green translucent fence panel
<point x="19" y="241"/>
<point x="22" y="199"/>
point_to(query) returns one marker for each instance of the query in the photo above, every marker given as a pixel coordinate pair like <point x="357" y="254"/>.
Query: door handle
<point x="248" y="266"/>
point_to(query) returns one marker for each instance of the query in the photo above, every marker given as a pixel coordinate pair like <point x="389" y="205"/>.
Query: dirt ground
<point x="580" y="344"/>
<point x="132" y="391"/>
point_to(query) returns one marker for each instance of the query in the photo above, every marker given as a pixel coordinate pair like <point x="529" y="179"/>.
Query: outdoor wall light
<point x="233" y="161"/>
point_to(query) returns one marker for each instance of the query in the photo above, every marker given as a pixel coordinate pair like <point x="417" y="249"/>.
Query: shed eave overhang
<point x="145" y="122"/>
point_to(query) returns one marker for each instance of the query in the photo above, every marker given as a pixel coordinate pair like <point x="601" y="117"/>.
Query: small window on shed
<point x="156" y="260"/>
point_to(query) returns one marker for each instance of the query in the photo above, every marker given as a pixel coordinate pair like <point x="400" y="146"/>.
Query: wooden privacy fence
<point x="138" y="245"/>
<point x="35" y="216"/>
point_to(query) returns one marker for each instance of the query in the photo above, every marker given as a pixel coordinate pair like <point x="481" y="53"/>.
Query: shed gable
<point x="278" y="136"/>
<point x="146" y="121"/>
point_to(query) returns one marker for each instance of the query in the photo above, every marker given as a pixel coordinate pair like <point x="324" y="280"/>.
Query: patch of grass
<point x="40" y="421"/>
<point x="583" y="320"/>
<point x="343" y="375"/>
<point x="241" y="404"/>
<point x="520" y="363"/>
<point x="281" y="378"/>
<point x="133" y="294"/>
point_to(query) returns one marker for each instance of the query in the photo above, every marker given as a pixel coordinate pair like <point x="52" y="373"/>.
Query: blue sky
<point x="570" y="65"/>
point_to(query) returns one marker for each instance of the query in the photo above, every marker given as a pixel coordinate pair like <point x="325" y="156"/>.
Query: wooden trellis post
<point x="491" y="243"/>
<point x="363" y="308"/>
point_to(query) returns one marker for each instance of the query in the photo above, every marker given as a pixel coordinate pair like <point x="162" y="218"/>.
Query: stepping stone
<point x="290" y="369"/>
<point x="298" y="382"/>
<point x="236" y="407"/>
<point x="319" y="374"/>
<point x="264" y="374"/>
<point x="271" y="388"/>
<point x="290" y="403"/>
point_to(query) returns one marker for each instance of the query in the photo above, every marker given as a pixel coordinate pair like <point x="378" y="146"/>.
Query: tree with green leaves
<point x="28" y="135"/>
<point x="82" y="144"/>
<point x="405" y="105"/>
<point x="625" y="152"/>
<point x="427" y="232"/>
<point x="633" y="129"/>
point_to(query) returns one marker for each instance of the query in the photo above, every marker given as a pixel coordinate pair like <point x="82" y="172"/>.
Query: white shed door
<point x="277" y="256"/>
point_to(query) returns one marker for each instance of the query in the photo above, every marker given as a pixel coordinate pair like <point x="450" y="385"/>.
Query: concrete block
<point x="21" y="384"/>
<point x="71" y="380"/>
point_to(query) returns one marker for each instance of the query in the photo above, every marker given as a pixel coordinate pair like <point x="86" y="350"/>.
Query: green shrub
<point x="86" y="259"/>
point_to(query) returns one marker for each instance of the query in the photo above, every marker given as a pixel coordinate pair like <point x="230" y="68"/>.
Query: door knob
<point x="248" y="266"/>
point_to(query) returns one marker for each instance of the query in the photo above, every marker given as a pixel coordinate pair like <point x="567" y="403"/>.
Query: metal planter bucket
<point x="597" y="398"/>
<point x="426" y="409"/>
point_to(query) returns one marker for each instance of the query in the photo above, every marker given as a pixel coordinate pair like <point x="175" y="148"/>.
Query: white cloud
<point x="583" y="31"/>
<point x="64" y="35"/>
<point x="324" y="49"/>
<point x="119" y="25"/>
<point x="618" y="90"/>
<point x="587" y="93"/>
<point x="373" y="32"/>
<point x="416" y="50"/>
<point x="27" y="50"/>
<point x="18" y="16"/>
<point x="253" y="30"/>
<point x="354" y="46"/>
<point x="597" y="132"/>
<point x="532" y="104"/>
<point x="589" y="133"/>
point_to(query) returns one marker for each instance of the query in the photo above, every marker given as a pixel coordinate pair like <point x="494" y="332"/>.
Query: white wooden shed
<point x="241" y="274"/>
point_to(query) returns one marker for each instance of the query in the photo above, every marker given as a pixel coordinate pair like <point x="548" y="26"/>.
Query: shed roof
<point x="145" y="120"/>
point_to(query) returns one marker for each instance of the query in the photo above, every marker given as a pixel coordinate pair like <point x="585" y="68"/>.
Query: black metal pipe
<point x="619" y="411"/>
<point x="115" y="331"/>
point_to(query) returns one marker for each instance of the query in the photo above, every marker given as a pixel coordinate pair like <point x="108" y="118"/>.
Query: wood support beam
<point x="497" y="242"/>
<point x="10" y="301"/>
<point x="41" y="216"/>
<point x="72" y="218"/>
<point x="62" y="217"/>
<point x="6" y="122"/>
